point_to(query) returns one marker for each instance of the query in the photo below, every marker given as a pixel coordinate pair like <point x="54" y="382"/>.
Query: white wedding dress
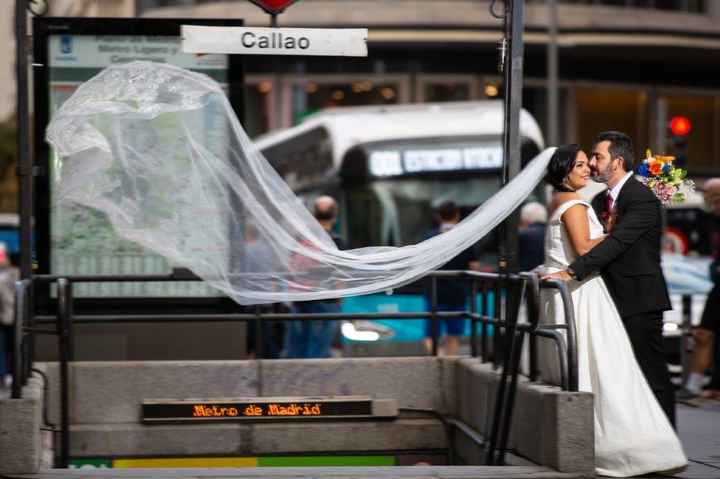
<point x="632" y="434"/>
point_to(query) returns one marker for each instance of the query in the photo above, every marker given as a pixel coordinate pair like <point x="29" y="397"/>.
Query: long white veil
<point x="132" y="146"/>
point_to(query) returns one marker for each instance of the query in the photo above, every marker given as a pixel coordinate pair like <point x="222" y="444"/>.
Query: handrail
<point x="506" y="289"/>
<point x="65" y="299"/>
<point x="570" y="328"/>
<point x="17" y="366"/>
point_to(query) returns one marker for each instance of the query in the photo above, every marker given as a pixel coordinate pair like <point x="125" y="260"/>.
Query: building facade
<point x="628" y="65"/>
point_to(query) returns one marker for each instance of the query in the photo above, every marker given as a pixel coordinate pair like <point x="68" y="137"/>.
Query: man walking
<point x="451" y="292"/>
<point x="313" y="338"/>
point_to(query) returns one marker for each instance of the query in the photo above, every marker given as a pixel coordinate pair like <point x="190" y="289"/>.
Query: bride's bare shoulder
<point x="562" y="197"/>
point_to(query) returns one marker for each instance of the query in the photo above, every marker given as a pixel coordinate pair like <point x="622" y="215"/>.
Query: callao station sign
<point x="350" y="42"/>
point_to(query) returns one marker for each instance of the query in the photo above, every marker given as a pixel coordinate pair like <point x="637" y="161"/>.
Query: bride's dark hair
<point x="561" y="164"/>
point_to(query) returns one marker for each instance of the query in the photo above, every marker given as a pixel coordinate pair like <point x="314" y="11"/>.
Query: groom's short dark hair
<point x="620" y="145"/>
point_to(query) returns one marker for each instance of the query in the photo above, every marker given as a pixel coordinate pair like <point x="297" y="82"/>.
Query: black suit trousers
<point x="645" y="333"/>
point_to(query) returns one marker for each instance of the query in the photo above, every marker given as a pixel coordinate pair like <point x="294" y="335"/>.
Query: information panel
<point x="82" y="240"/>
<point x="77" y="240"/>
<point x="346" y="407"/>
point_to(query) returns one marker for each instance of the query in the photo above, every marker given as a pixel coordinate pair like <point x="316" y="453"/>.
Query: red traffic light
<point x="680" y="125"/>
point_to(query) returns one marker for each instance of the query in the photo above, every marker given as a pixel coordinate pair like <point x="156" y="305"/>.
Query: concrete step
<point x="138" y="440"/>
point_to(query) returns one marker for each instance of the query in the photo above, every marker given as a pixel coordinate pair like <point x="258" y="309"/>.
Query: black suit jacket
<point x="629" y="258"/>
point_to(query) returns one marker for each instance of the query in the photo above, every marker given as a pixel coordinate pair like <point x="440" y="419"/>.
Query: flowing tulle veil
<point x="130" y="143"/>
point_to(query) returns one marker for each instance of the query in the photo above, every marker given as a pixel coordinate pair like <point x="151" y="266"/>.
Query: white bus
<point x="388" y="167"/>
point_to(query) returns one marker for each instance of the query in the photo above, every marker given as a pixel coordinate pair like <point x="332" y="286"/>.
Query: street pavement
<point x="699" y="430"/>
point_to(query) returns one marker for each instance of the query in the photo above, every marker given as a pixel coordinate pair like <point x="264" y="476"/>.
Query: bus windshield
<point x="395" y="212"/>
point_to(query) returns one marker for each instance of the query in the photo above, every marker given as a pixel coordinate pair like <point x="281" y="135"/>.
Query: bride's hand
<point x="560" y="275"/>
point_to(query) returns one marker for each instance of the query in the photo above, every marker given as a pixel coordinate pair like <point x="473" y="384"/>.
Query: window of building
<point x="259" y="105"/>
<point x="143" y="5"/>
<point x="695" y="6"/>
<point x="601" y="108"/>
<point x="441" y="88"/>
<point x="311" y="94"/>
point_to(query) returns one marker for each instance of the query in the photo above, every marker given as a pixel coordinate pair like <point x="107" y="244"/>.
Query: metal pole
<point x="552" y="74"/>
<point x="64" y="345"/>
<point x="18" y="366"/>
<point x="473" y="320"/>
<point x="24" y="162"/>
<point x="513" y="75"/>
<point x="435" y="322"/>
<point x="259" y="333"/>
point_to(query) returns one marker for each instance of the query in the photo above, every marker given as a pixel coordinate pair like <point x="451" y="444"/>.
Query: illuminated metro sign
<point x="344" y="407"/>
<point x="392" y="162"/>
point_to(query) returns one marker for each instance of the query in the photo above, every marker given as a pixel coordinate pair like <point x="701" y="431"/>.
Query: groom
<point x="629" y="259"/>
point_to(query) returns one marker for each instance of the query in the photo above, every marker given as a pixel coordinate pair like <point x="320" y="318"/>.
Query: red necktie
<point x="608" y="202"/>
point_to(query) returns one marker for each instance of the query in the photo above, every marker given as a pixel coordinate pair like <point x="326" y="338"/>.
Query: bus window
<point x="400" y="212"/>
<point x="362" y="208"/>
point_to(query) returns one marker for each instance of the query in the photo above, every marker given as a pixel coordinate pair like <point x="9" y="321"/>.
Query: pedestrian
<point x="451" y="292"/>
<point x="314" y="338"/>
<point x="8" y="276"/>
<point x="258" y="258"/>
<point x="531" y="235"/>
<point x="707" y="332"/>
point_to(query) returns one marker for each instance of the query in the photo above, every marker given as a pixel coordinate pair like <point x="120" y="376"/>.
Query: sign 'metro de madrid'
<point x="273" y="7"/>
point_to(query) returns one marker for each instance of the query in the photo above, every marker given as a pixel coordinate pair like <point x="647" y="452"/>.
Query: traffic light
<point x="680" y="128"/>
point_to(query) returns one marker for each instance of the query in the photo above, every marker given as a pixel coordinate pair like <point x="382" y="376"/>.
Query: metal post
<point x="509" y="401"/>
<point x="552" y="73"/>
<point x="259" y="336"/>
<point x="473" y="319"/>
<point x="433" y="315"/>
<point x="24" y="161"/>
<point x="685" y="335"/>
<point x="513" y="75"/>
<point x="24" y="170"/>
<point x="497" y="343"/>
<point x="64" y="319"/>
<point x="485" y="311"/>
<point x="18" y="366"/>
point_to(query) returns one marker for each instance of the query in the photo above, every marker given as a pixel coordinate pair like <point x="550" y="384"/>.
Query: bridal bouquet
<point x="667" y="181"/>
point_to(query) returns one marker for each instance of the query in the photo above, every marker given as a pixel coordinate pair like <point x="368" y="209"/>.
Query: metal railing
<point x="499" y="323"/>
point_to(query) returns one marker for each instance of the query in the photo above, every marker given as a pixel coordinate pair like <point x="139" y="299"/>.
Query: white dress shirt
<point x="615" y="191"/>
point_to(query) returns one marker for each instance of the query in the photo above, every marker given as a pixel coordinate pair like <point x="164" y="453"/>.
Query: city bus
<point x="388" y="167"/>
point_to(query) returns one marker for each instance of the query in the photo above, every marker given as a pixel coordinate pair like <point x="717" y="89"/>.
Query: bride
<point x="632" y="433"/>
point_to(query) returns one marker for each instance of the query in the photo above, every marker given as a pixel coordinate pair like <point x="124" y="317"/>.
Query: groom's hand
<point x="560" y="275"/>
